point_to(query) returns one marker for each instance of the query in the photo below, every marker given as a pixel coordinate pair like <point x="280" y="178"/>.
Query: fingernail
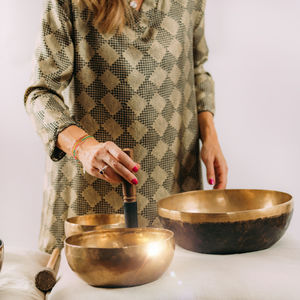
<point x="211" y="181"/>
<point x="134" y="181"/>
<point x="135" y="169"/>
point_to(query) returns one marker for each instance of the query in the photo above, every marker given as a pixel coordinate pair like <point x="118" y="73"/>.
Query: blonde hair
<point x="110" y="16"/>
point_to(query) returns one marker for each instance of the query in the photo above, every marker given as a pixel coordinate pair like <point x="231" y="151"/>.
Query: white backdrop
<point x="254" y="59"/>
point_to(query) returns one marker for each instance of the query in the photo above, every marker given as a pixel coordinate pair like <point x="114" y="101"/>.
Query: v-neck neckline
<point x="144" y="5"/>
<point x="138" y="4"/>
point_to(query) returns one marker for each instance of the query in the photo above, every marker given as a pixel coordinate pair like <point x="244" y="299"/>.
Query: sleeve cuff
<point x="53" y="151"/>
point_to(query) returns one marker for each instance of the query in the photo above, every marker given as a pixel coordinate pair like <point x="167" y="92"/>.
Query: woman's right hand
<point x="94" y="156"/>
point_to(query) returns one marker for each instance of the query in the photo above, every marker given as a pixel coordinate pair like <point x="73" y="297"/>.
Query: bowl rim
<point x="66" y="243"/>
<point x="233" y="216"/>
<point x="69" y="220"/>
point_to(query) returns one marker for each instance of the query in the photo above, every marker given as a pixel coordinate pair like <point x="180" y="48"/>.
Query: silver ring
<point x="101" y="171"/>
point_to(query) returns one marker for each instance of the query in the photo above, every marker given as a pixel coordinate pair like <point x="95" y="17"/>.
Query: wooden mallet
<point x="46" y="278"/>
<point x="129" y="197"/>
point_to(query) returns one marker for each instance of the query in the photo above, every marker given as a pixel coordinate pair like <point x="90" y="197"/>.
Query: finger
<point x="123" y="158"/>
<point x="109" y="175"/>
<point x="120" y="169"/>
<point x="220" y="185"/>
<point x="210" y="172"/>
<point x="95" y="172"/>
<point x="221" y="176"/>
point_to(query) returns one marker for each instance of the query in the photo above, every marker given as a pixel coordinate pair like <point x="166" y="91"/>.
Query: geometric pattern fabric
<point x="141" y="89"/>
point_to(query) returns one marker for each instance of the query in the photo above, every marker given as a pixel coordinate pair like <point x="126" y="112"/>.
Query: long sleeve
<point x="204" y="84"/>
<point x="52" y="74"/>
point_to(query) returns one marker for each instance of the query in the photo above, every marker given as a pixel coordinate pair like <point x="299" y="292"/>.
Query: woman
<point x="135" y="79"/>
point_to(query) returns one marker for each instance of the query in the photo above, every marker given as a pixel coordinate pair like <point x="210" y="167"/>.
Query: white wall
<point x="254" y="58"/>
<point x="21" y="152"/>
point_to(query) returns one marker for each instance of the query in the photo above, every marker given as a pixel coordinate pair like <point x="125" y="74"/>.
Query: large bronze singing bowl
<point x="226" y="221"/>
<point x="120" y="257"/>
<point x="80" y="224"/>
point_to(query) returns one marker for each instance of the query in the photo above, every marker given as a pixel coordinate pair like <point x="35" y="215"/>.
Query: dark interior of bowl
<point x="228" y="221"/>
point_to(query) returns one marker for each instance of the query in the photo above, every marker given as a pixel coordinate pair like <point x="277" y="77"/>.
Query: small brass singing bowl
<point x="226" y="221"/>
<point x="85" y="223"/>
<point x="120" y="257"/>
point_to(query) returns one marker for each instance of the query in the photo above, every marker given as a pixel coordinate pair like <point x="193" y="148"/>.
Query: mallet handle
<point x="129" y="198"/>
<point x="53" y="259"/>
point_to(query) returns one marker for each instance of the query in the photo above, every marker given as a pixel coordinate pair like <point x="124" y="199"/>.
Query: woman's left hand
<point x="211" y="153"/>
<point x="215" y="163"/>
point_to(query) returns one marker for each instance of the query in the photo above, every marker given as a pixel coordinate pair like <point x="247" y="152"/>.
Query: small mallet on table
<point x="46" y="278"/>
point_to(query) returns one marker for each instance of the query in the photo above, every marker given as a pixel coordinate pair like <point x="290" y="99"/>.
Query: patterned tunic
<point x="140" y="89"/>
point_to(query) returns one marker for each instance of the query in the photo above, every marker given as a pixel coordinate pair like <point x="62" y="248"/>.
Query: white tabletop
<point x="268" y="274"/>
